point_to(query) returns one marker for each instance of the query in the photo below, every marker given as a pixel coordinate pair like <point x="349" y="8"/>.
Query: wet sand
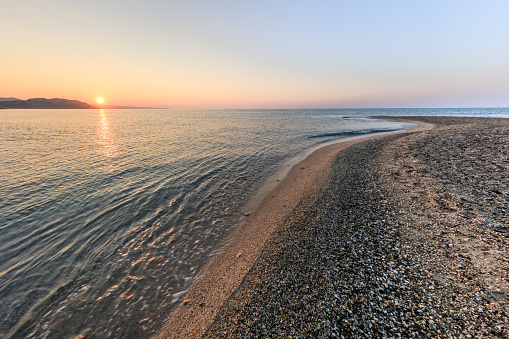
<point x="274" y="205"/>
<point x="404" y="235"/>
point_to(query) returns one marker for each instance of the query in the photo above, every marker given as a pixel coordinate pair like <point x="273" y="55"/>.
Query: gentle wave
<point x="107" y="215"/>
<point x="351" y="133"/>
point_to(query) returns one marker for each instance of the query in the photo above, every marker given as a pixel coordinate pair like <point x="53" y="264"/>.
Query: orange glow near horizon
<point x="346" y="56"/>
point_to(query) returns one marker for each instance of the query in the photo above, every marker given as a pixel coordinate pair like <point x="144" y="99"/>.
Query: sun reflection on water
<point x="109" y="149"/>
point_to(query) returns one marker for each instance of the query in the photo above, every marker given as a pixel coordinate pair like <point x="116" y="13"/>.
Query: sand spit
<point x="403" y="236"/>
<point x="224" y="273"/>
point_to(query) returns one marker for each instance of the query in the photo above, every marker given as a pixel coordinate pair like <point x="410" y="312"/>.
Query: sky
<point x="202" y="54"/>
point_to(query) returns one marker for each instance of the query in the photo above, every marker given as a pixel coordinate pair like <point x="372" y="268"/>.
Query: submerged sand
<point x="404" y="235"/>
<point x="224" y="273"/>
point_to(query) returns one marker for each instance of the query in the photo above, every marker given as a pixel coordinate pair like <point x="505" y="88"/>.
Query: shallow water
<point x="107" y="215"/>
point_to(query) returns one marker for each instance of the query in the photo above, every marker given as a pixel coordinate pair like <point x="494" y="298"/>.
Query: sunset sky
<point x="258" y="54"/>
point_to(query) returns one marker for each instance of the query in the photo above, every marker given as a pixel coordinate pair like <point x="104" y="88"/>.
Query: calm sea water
<point x="107" y="215"/>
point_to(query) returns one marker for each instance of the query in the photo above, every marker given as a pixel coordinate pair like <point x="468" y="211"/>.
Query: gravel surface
<point x="408" y="240"/>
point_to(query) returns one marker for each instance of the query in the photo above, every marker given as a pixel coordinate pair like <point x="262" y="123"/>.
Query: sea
<point x="106" y="216"/>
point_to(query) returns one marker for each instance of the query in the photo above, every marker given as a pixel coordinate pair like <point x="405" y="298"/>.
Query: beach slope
<point x="399" y="236"/>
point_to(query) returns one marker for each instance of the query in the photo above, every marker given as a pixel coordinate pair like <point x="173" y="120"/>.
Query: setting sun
<point x="100" y="100"/>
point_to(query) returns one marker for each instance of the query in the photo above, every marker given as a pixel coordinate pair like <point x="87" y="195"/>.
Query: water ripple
<point x="107" y="215"/>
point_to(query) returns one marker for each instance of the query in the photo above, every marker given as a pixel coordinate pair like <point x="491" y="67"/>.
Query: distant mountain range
<point x="8" y="99"/>
<point x="42" y="103"/>
<point x="55" y="103"/>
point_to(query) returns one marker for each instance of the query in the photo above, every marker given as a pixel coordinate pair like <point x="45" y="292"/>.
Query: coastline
<point x="403" y="236"/>
<point x="409" y="239"/>
<point x="272" y="205"/>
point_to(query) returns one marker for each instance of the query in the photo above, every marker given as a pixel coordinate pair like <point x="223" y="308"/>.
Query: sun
<point x="100" y="100"/>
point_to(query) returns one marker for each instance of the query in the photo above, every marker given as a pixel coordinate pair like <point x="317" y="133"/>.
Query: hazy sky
<point x="258" y="54"/>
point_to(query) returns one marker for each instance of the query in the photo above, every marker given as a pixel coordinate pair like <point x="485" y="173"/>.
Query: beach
<point x="404" y="235"/>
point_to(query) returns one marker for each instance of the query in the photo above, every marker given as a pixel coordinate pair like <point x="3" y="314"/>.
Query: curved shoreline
<point x="223" y="274"/>
<point x="408" y="239"/>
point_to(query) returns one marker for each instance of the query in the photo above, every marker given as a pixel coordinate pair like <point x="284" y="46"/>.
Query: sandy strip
<point x="223" y="274"/>
<point x="408" y="239"/>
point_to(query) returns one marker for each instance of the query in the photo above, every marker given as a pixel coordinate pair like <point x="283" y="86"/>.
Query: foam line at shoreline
<point x="301" y="178"/>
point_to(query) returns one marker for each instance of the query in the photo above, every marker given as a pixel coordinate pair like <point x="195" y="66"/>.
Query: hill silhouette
<point x="42" y="103"/>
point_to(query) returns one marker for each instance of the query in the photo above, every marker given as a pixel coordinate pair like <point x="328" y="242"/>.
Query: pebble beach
<point x="397" y="236"/>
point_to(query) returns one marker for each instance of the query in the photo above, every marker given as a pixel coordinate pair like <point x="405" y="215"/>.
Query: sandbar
<point x="274" y="203"/>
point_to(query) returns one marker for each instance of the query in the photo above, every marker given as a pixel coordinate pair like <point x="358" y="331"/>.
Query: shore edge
<point x="224" y="272"/>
